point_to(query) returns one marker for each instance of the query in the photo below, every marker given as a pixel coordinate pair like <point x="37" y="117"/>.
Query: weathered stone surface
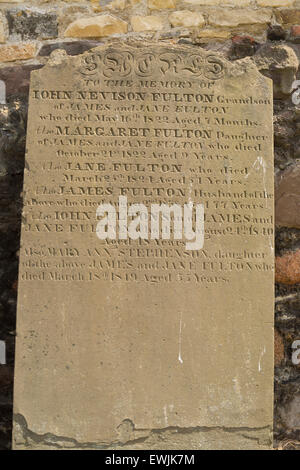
<point x="242" y="16"/>
<point x="280" y="63"/>
<point x="210" y="33"/>
<point x="186" y="18"/>
<point x="71" y="48"/>
<point x="275" y="3"/>
<point x="31" y="24"/>
<point x="202" y="2"/>
<point x="291" y="16"/>
<point x="287" y="192"/>
<point x="100" y="319"/>
<point x="161" y="4"/>
<point x="2" y="30"/>
<point x="11" y="52"/>
<point x="288" y="268"/>
<point x="96" y="26"/>
<point x="117" y="5"/>
<point x="147" y="23"/>
<point x="237" y="3"/>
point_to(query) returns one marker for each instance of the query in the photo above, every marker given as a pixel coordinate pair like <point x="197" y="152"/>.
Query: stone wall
<point x="267" y="31"/>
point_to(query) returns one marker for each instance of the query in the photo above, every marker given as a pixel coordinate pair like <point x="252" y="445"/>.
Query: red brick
<point x="295" y="31"/>
<point x="287" y="200"/>
<point x="288" y="268"/>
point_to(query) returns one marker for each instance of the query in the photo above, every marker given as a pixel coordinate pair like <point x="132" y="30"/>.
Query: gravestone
<point x="146" y="343"/>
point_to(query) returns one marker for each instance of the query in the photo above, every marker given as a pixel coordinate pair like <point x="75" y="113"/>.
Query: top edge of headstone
<point x="218" y="66"/>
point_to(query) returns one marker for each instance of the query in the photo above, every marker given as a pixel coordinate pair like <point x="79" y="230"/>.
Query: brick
<point x="288" y="16"/>
<point x="147" y="23"/>
<point x="96" y="26"/>
<point x="278" y="348"/>
<point x="186" y="18"/>
<point x="288" y="268"/>
<point x="287" y="198"/>
<point x="161" y="4"/>
<point x="243" y="46"/>
<point x="233" y="18"/>
<point x="295" y="31"/>
<point x="12" y="52"/>
<point x="27" y="24"/>
<point x="275" y="3"/>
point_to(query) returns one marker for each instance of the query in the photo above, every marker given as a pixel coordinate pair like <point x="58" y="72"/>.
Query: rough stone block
<point x="280" y="63"/>
<point x="147" y="23"/>
<point x="186" y="18"/>
<point x="12" y="52"/>
<point x="31" y="24"/>
<point x="96" y="26"/>
<point x="233" y="18"/>
<point x="287" y="202"/>
<point x="161" y="4"/>
<point x="275" y="3"/>
<point x="288" y="268"/>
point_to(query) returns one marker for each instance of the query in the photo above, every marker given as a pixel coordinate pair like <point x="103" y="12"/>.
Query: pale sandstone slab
<point x="161" y="4"/>
<point x="117" y="5"/>
<point x="12" y="52"/>
<point x="242" y="16"/>
<point x="96" y="26"/>
<point x="275" y="3"/>
<point x="116" y="339"/>
<point x="214" y="33"/>
<point x="147" y="23"/>
<point x="186" y="18"/>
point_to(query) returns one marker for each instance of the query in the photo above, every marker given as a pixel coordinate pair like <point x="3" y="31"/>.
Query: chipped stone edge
<point x="25" y="439"/>
<point x="233" y="69"/>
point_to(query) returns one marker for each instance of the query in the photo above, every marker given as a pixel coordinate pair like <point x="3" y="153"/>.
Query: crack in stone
<point x="23" y="433"/>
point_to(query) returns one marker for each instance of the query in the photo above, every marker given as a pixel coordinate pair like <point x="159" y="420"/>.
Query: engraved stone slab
<point x="143" y="343"/>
